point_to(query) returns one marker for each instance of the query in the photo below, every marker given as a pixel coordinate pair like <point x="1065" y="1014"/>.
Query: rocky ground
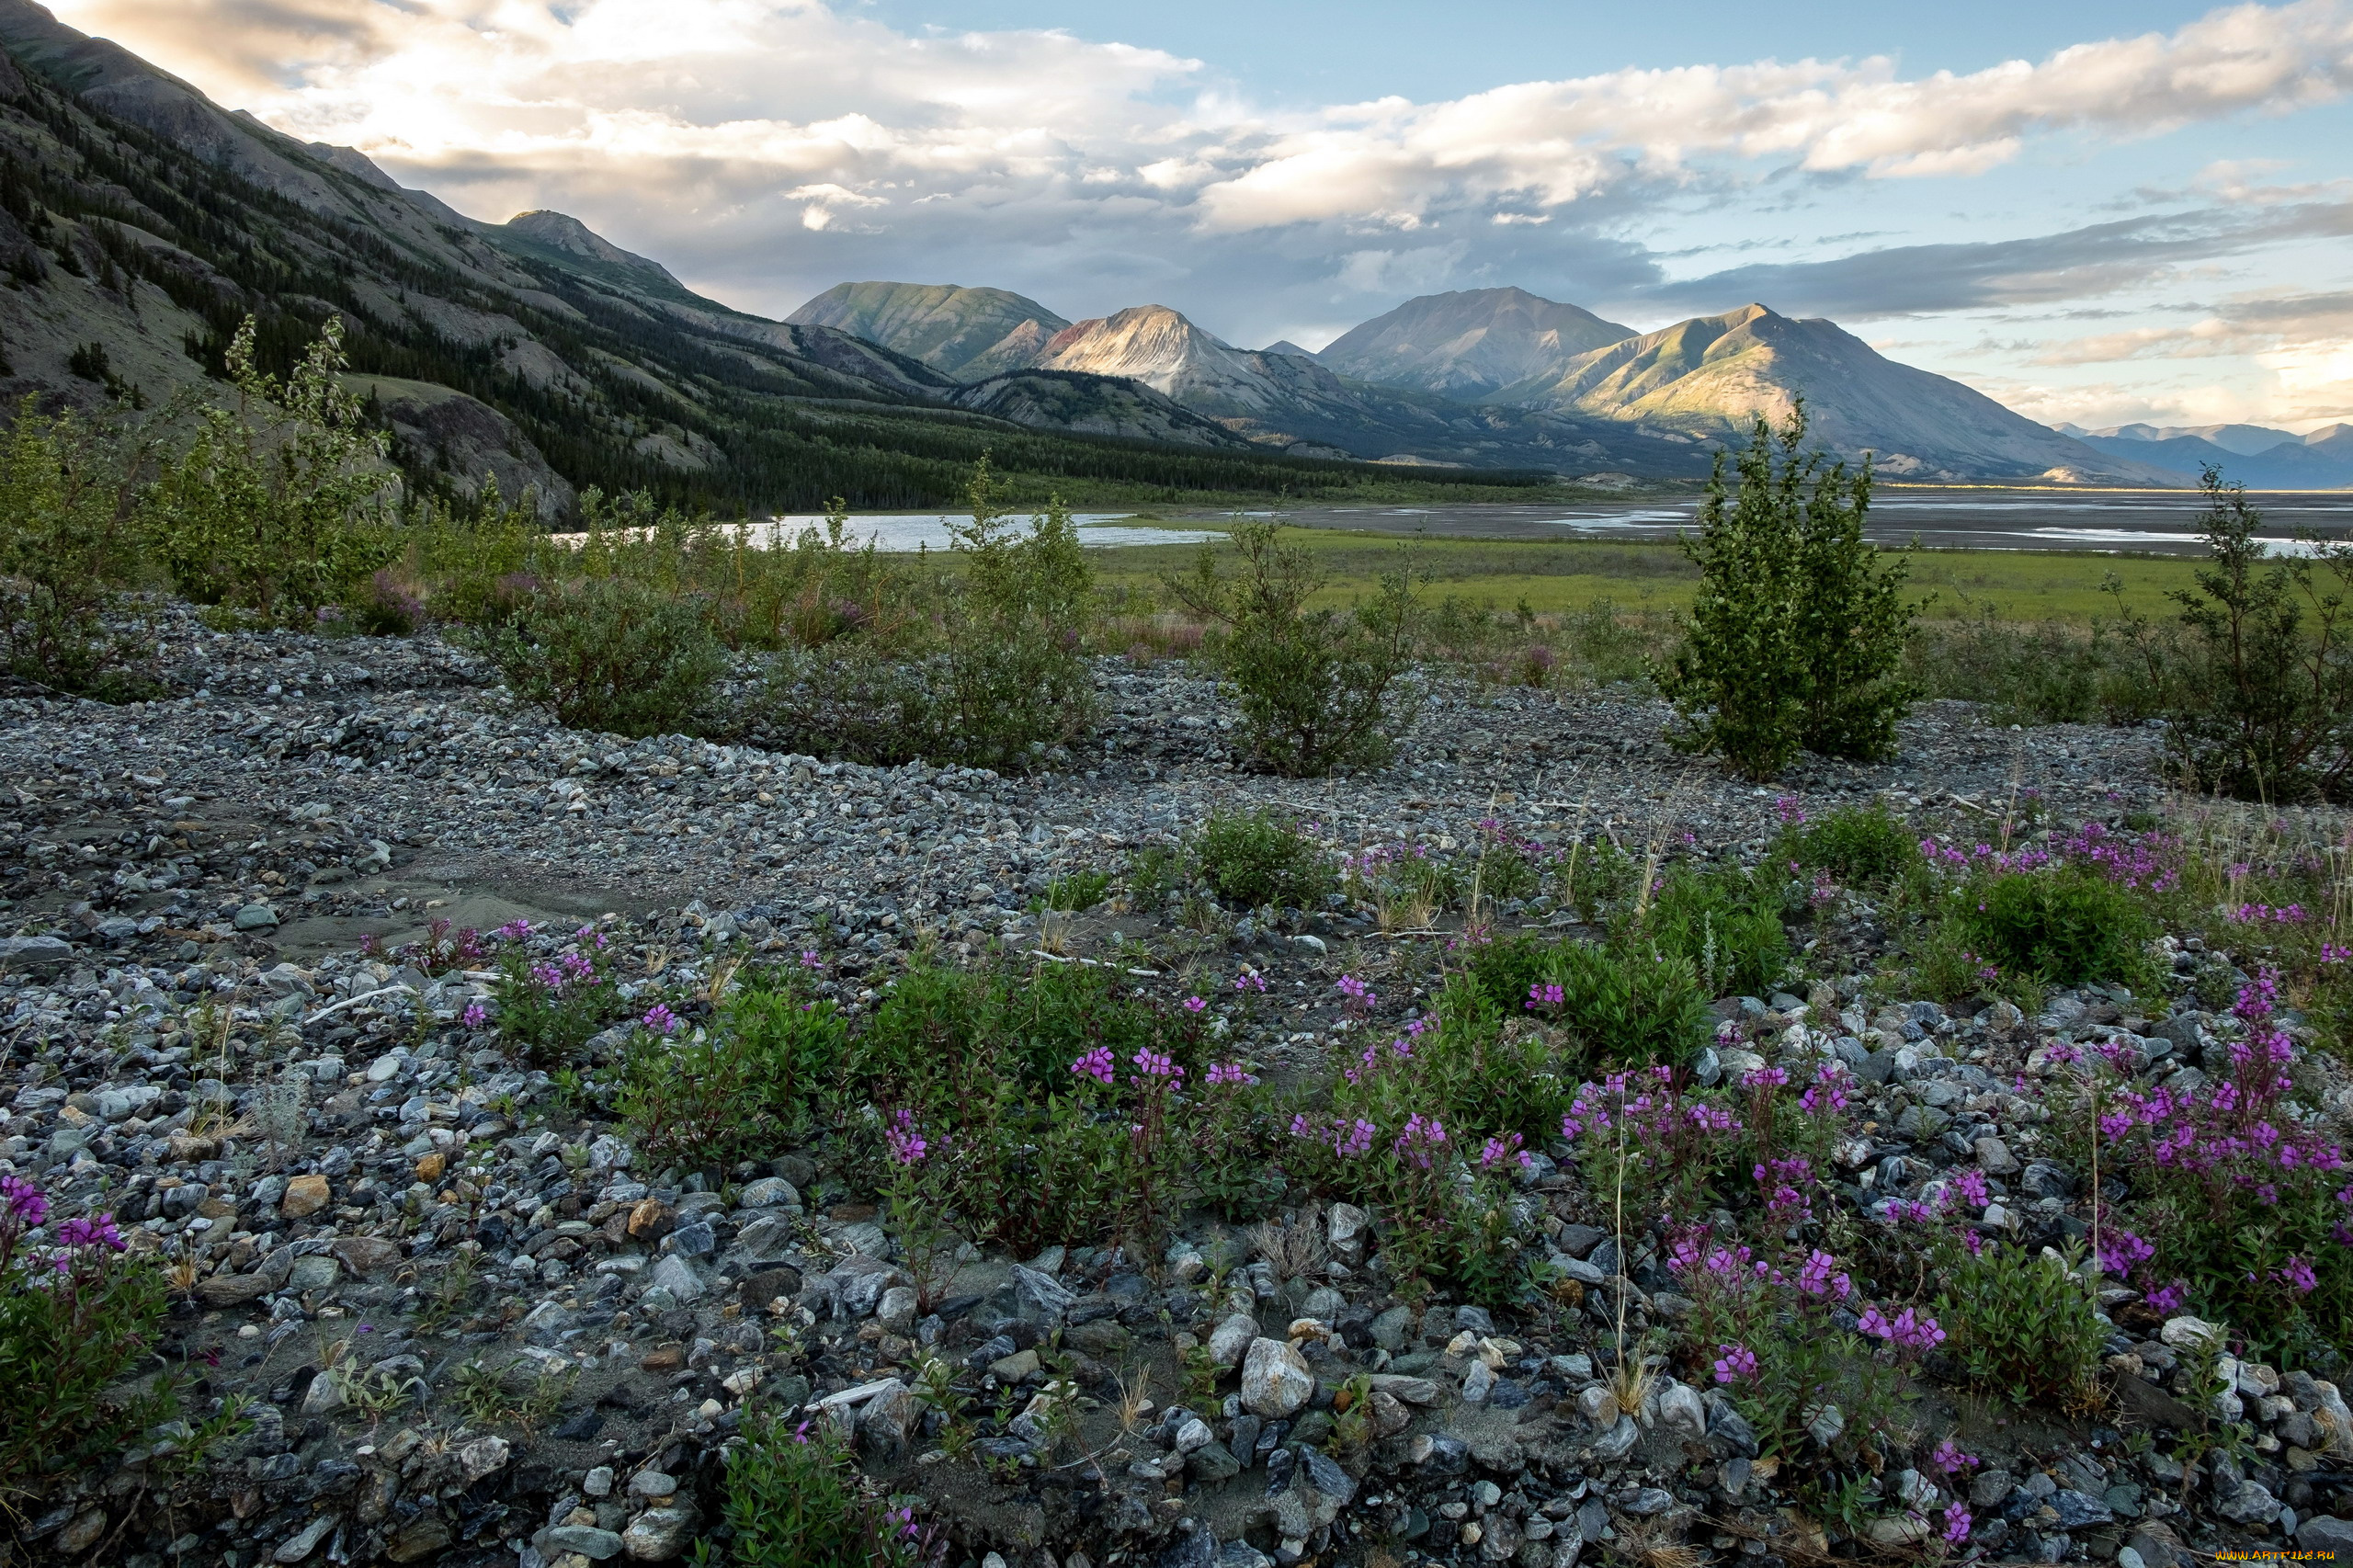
<point x="198" y="1043"/>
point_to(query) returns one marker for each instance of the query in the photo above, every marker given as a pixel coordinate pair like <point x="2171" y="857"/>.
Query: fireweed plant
<point x="77" y="1313"/>
<point x="553" y="1001"/>
<point x="2244" y="1206"/>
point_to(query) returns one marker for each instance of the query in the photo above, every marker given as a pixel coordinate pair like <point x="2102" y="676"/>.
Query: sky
<point x="2096" y="213"/>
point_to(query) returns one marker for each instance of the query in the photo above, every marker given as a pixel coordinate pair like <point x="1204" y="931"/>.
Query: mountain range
<point x="139" y="222"/>
<point x="1500" y="376"/>
<point x="2253" y="455"/>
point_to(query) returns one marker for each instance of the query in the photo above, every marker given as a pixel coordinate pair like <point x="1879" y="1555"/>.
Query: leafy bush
<point x="69" y="498"/>
<point x="2020" y="1325"/>
<point x="796" y="1500"/>
<point x="553" y="1005"/>
<point x="1863" y="846"/>
<point x="1624" y="1006"/>
<point x="612" y="655"/>
<point x="1253" y="859"/>
<point x="1798" y="629"/>
<point x="2063" y="925"/>
<point x="1318" y="688"/>
<point x="1725" y="922"/>
<point x="1078" y="891"/>
<point x="76" y="1317"/>
<point x="744" y="1091"/>
<point x="995" y="677"/>
<point x="276" y="518"/>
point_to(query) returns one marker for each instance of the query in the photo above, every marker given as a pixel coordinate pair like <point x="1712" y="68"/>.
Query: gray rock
<point x="677" y="1275"/>
<point x="2324" y="1532"/>
<point x="255" y="918"/>
<point x="1230" y="1341"/>
<point x="1389" y="1330"/>
<point x="769" y="1192"/>
<point x="2251" y="1504"/>
<point x="35" y="954"/>
<point x="1210" y="1463"/>
<point x="2079" y="1510"/>
<point x="659" y="1534"/>
<point x="1319" y="1470"/>
<point x="1276" y="1380"/>
<point x="1617" y="1442"/>
<point x="586" y="1539"/>
<point x="1041" y="1298"/>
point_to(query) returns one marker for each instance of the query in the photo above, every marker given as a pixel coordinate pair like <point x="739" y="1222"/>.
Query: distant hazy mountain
<point x="1470" y="344"/>
<point x="1292" y="402"/>
<point x="966" y="333"/>
<point x="1711" y="375"/>
<point x="1285" y="345"/>
<point x="2252" y="455"/>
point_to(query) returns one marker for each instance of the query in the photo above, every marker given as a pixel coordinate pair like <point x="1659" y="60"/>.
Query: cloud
<point x="2075" y="263"/>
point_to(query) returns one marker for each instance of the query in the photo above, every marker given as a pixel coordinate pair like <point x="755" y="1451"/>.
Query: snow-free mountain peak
<point x="1469" y="344"/>
<point x="967" y="334"/>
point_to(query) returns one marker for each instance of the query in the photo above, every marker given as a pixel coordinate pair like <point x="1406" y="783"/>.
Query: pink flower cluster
<point x="1734" y="1363"/>
<point x="1423" y="1137"/>
<point x="1094" y="1064"/>
<point x="1503" y="1150"/>
<point x="1543" y="997"/>
<point x="1229" y="1072"/>
<point x="906" y="1145"/>
<point x="1908" y="1332"/>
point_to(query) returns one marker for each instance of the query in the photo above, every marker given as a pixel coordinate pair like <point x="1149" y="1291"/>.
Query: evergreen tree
<point x="1798" y="629"/>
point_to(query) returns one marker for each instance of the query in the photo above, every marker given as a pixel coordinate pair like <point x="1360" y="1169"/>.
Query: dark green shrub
<point x="1861" y="846"/>
<point x="553" y="1005"/>
<point x="2020" y="1325"/>
<point x="1253" y="859"/>
<point x="1078" y="891"/>
<point x="1798" y="629"/>
<point x="795" y="1499"/>
<point x="612" y="655"/>
<point x="2267" y="714"/>
<point x="994" y="677"/>
<point x="2063" y="926"/>
<point x="1623" y="1006"/>
<point x="744" y="1091"/>
<point x="1318" y="688"/>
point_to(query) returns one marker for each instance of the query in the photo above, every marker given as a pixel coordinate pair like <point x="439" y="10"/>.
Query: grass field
<point x="1571" y="575"/>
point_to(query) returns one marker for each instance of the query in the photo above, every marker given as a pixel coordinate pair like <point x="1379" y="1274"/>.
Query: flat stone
<point x="2079" y="1510"/>
<point x="255" y="918"/>
<point x="769" y="1192"/>
<point x="305" y="1541"/>
<point x="364" y="1254"/>
<point x="318" y="1273"/>
<point x="231" y="1289"/>
<point x="586" y="1539"/>
<point x="35" y="955"/>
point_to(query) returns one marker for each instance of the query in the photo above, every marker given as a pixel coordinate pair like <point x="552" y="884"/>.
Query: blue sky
<point x="2096" y="213"/>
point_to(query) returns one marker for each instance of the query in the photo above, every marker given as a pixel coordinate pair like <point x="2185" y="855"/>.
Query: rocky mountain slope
<point x="2250" y="454"/>
<point x="1711" y="375"/>
<point x="1295" y="403"/>
<point x="1470" y="344"/>
<point x="967" y="334"/>
<point x="140" y="224"/>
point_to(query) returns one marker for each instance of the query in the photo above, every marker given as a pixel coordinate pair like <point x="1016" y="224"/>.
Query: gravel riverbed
<point x="229" y="846"/>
